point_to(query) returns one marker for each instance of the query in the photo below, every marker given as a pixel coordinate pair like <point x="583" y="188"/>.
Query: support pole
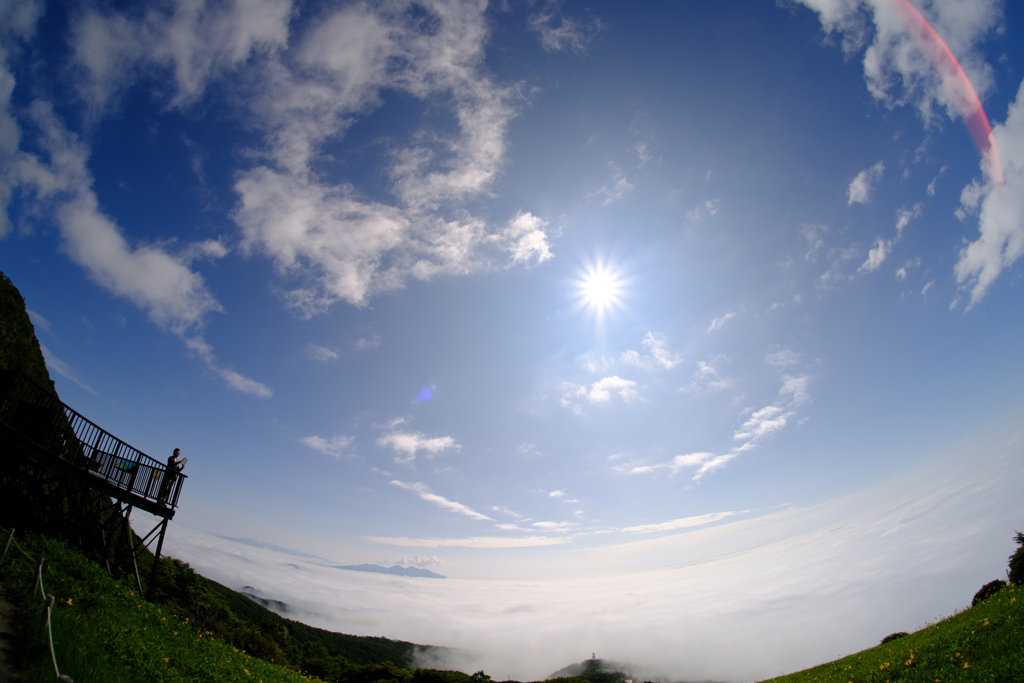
<point x="156" y="560"/>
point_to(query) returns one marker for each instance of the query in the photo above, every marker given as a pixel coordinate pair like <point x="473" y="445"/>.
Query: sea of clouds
<point x="743" y="600"/>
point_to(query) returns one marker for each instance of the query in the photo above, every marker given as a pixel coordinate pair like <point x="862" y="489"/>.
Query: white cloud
<point x="814" y="234"/>
<point x="62" y="368"/>
<point x="471" y="542"/>
<point x="683" y="523"/>
<point x="898" y="555"/>
<point x="407" y="444"/>
<point x="896" y="69"/>
<point x="528" y="450"/>
<point x="1001" y="216"/>
<point x="931" y="186"/>
<point x="336" y="446"/>
<point x="859" y="191"/>
<point x="883" y="247"/>
<point x="688" y="461"/>
<point x="367" y="343"/>
<point x="39" y="321"/>
<point x="615" y="189"/>
<point x="558" y="32"/>
<point x="156" y="281"/>
<point x="762" y="423"/>
<point x="525" y="239"/>
<point x="555" y="526"/>
<point x="658" y="354"/>
<point x="901" y="272"/>
<point x="195" y="41"/>
<point x="326" y="238"/>
<point x="557" y="494"/>
<point x="197" y="345"/>
<point x="782" y="357"/>
<point x="602" y="390"/>
<point x="876" y="255"/>
<point x="717" y="323"/>
<point x="905" y="215"/>
<point x="796" y="387"/>
<point x="424" y="492"/>
<point x="321" y="353"/>
<point x="709" y="205"/>
<point x="418" y="560"/>
<point x="706" y="380"/>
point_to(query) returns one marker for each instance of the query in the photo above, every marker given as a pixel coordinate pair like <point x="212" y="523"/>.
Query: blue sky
<point x="664" y="272"/>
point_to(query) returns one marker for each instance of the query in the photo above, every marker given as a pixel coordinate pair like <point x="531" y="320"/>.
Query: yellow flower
<point x="966" y="665"/>
<point x="69" y="602"/>
<point x="175" y="633"/>
<point x="166" y="659"/>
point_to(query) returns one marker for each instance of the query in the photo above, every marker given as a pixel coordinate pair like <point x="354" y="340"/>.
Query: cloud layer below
<point x="795" y="587"/>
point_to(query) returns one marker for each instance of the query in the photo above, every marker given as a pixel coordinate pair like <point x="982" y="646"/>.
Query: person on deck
<point x="173" y="467"/>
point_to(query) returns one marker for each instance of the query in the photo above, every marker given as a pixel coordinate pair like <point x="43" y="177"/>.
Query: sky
<point x="713" y="303"/>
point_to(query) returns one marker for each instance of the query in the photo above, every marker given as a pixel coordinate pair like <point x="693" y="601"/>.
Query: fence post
<point x="39" y="575"/>
<point x="46" y="614"/>
<point x="7" y="545"/>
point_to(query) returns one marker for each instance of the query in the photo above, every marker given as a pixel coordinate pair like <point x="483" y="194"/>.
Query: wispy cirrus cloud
<point x="717" y="323"/>
<point x="558" y="32"/>
<point x="62" y="368"/>
<point x="682" y="523"/>
<point x="424" y="492"/>
<point x="757" y="426"/>
<point x="470" y="542"/>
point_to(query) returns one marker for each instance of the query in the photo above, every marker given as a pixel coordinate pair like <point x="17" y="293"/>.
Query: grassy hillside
<point x="106" y="633"/>
<point x="982" y="643"/>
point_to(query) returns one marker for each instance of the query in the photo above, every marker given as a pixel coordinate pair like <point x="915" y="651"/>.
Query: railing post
<point x="39" y="574"/>
<point x="7" y="545"/>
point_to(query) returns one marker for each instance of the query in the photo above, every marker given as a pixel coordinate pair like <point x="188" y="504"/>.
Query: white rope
<point x="48" y="599"/>
<point x="49" y="630"/>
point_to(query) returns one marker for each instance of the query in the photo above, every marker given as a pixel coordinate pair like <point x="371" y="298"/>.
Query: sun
<point x="600" y="289"/>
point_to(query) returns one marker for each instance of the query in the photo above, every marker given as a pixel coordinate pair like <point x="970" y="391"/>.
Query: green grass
<point x="982" y="643"/>
<point x="104" y="632"/>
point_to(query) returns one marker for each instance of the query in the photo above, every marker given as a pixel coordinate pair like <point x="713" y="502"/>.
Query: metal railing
<point x="38" y="415"/>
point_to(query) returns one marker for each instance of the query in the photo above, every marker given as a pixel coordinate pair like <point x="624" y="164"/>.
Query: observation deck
<point x="34" y="422"/>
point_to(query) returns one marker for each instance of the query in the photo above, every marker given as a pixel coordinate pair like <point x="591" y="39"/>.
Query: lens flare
<point x="957" y="85"/>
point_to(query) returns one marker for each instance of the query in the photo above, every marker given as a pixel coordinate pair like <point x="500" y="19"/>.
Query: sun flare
<point x="600" y="289"/>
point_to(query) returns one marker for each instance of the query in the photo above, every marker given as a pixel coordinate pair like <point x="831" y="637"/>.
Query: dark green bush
<point x="893" y="636"/>
<point x="987" y="591"/>
<point x="1017" y="562"/>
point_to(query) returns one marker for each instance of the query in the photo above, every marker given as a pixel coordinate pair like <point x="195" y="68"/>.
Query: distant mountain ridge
<point x="395" y="570"/>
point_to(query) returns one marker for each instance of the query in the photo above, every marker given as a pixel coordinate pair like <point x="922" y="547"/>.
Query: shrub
<point x="1017" y="562"/>
<point x="893" y="636"/>
<point x="987" y="591"/>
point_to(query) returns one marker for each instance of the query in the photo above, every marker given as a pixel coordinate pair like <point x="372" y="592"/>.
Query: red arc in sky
<point x="956" y="83"/>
